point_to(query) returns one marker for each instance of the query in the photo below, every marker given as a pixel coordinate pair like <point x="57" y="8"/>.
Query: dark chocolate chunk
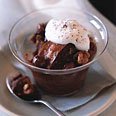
<point x="40" y="61"/>
<point x="64" y="56"/>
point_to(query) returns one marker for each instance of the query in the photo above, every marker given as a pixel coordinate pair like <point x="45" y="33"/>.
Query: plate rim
<point x="109" y="102"/>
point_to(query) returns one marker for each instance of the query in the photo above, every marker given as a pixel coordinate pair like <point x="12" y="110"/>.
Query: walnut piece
<point x="27" y="89"/>
<point x="83" y="57"/>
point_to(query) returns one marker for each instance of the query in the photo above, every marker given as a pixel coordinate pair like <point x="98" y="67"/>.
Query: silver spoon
<point x="59" y="113"/>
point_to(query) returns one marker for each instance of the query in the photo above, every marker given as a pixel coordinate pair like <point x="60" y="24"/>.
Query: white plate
<point x="13" y="107"/>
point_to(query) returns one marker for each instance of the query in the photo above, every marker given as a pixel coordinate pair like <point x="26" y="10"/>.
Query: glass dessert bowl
<point x="63" y="77"/>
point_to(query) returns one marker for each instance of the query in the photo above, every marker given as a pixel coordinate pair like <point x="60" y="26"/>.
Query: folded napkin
<point x="97" y="80"/>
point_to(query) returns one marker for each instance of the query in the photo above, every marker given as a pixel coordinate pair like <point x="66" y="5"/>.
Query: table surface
<point x="12" y="10"/>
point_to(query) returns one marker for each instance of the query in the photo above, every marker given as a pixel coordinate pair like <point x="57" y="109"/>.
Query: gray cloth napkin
<point x="97" y="80"/>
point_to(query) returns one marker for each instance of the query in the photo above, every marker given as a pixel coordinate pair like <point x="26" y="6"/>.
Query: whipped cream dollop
<point x="68" y="31"/>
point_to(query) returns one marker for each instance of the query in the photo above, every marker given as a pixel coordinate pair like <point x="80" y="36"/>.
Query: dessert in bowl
<point x="58" y="45"/>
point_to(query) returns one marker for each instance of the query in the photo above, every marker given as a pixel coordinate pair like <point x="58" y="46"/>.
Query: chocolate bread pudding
<point x="23" y="88"/>
<point x="61" y="45"/>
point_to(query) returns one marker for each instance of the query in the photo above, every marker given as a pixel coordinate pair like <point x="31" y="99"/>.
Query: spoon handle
<point x="59" y="113"/>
